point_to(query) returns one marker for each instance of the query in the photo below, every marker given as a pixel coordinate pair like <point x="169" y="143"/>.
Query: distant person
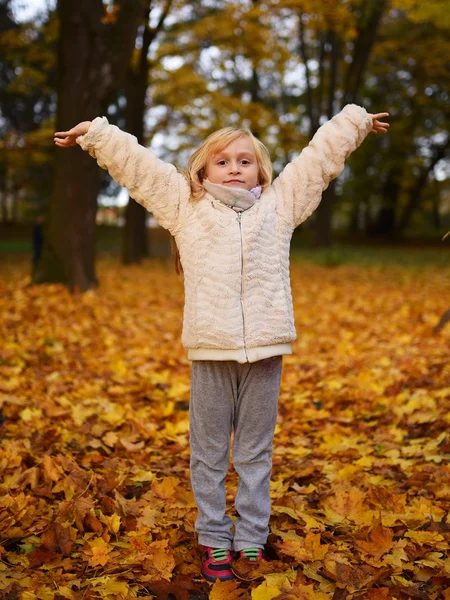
<point x="38" y="239"/>
<point x="233" y="228"/>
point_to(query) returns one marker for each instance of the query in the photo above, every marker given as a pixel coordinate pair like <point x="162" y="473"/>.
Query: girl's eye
<point x="221" y="162"/>
<point x="245" y="162"/>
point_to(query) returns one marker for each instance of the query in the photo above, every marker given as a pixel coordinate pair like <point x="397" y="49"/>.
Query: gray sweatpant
<point x="227" y="395"/>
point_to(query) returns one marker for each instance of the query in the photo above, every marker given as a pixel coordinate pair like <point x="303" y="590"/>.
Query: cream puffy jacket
<point x="238" y="303"/>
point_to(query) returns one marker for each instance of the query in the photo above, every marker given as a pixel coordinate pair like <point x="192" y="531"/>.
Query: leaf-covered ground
<point x="95" y="500"/>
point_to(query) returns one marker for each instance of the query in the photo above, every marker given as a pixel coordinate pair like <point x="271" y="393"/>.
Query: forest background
<point x="172" y="72"/>
<point x="95" y="499"/>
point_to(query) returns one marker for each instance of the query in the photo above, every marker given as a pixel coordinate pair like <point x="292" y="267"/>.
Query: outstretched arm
<point x="379" y="126"/>
<point x="66" y="139"/>
<point x="157" y="185"/>
<point x="300" y="185"/>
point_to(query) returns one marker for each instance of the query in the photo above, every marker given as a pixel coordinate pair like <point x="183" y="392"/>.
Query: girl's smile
<point x="235" y="165"/>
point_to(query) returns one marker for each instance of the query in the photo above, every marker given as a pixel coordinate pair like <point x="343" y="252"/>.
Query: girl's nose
<point x="234" y="168"/>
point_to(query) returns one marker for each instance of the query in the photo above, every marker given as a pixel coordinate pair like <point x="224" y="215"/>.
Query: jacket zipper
<point x="239" y="217"/>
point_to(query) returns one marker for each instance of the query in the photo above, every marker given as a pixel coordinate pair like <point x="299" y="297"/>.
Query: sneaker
<point x="248" y="563"/>
<point x="216" y="564"/>
<point x="253" y="554"/>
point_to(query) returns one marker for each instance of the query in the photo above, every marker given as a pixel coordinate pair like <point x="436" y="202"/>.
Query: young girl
<point x="233" y="228"/>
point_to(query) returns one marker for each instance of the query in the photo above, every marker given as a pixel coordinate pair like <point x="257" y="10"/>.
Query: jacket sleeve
<point x="300" y="185"/>
<point x="157" y="185"/>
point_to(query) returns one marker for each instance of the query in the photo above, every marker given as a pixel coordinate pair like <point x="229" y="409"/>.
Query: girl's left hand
<point x="378" y="126"/>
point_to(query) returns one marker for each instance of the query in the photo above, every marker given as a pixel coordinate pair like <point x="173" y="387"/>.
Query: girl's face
<point x="234" y="166"/>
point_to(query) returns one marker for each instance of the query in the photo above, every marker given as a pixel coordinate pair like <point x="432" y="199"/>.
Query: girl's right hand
<point x="65" y="139"/>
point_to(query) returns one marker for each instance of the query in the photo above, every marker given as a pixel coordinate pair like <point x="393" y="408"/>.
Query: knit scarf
<point x="239" y="199"/>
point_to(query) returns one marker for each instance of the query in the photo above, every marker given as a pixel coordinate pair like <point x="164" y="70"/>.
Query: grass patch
<point x="16" y="240"/>
<point x="374" y="256"/>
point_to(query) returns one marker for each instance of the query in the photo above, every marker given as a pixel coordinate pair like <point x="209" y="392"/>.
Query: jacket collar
<point x="239" y="199"/>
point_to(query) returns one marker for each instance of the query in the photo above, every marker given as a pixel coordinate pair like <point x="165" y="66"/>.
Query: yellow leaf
<point x="364" y="461"/>
<point x="110" y="439"/>
<point x="400" y="580"/>
<point x="286" y="510"/>
<point x="310" y="522"/>
<point x="397" y="557"/>
<point x="143" y="475"/>
<point x="308" y="549"/>
<point x="433" y="560"/>
<point x="112" y="522"/>
<point x="265" y="592"/>
<point x="424" y="537"/>
<point x="45" y="593"/>
<point x="149" y="517"/>
<point x="112" y="413"/>
<point x="100" y="551"/>
<point x="66" y="592"/>
<point x="27" y="414"/>
<point x="307" y="592"/>
<point x="110" y="587"/>
<point x="165" y="488"/>
<point x="281" y="580"/>
<point x="225" y="590"/>
<point x="347" y="503"/>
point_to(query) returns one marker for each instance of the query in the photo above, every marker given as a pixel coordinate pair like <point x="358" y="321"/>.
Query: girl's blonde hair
<point x="214" y="144"/>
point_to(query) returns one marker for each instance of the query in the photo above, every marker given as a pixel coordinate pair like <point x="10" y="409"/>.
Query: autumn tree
<point x="335" y="46"/>
<point x="27" y="72"/>
<point x="281" y="68"/>
<point x="136" y="89"/>
<point x="414" y="89"/>
<point x="93" y="53"/>
<point x="228" y="68"/>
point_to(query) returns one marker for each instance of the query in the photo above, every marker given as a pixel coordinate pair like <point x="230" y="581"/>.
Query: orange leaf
<point x="165" y="488"/>
<point x="99" y="552"/>
<point x="159" y="562"/>
<point x="379" y="542"/>
<point x="226" y="590"/>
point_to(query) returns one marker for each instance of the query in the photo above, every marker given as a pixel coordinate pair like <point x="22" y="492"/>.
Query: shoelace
<point x="251" y="553"/>
<point x="220" y="553"/>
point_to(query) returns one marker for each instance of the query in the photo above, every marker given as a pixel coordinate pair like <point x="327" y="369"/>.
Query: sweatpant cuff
<point x="242" y="545"/>
<point x="212" y="543"/>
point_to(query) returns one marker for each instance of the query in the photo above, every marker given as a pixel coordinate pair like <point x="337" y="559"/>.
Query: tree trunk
<point x="15" y="199"/>
<point x="436" y="215"/>
<point x="324" y="214"/>
<point x="135" y="243"/>
<point x="442" y="321"/>
<point x="367" y="35"/>
<point x="416" y="192"/>
<point x="310" y="104"/>
<point x="385" y="221"/>
<point x="363" y="46"/>
<point x="355" y="218"/>
<point x="92" y="57"/>
<point x="4" y="210"/>
<point x="135" y="246"/>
